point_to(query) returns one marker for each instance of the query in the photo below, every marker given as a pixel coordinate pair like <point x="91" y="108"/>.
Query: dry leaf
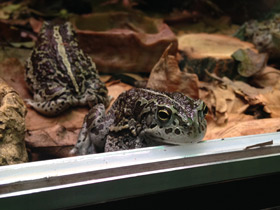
<point x="35" y="24"/>
<point x="48" y="132"/>
<point x="125" y="41"/>
<point x="12" y="71"/>
<point x="249" y="62"/>
<point x="51" y="137"/>
<point x="271" y="102"/>
<point x="221" y="101"/>
<point x="248" y="92"/>
<point x="166" y="76"/>
<point x="267" y="97"/>
<point x="71" y="119"/>
<point x="115" y="89"/>
<point x="222" y="96"/>
<point x="241" y="125"/>
<point x="269" y="77"/>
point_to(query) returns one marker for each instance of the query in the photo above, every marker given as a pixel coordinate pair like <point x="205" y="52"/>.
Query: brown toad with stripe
<point x="60" y="74"/>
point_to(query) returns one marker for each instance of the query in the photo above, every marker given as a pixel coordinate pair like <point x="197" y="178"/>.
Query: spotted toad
<point x="60" y="74"/>
<point x="140" y="118"/>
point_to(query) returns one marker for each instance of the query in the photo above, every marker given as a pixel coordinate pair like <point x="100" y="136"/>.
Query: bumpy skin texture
<point x="59" y="74"/>
<point x="141" y="118"/>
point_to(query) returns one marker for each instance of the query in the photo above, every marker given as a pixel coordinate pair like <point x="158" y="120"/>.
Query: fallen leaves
<point x="221" y="101"/>
<point x="8" y="10"/>
<point x="242" y="126"/>
<point x="271" y="102"/>
<point x="269" y="77"/>
<point x="125" y="41"/>
<point x="230" y="75"/>
<point x="267" y="97"/>
<point x="229" y="100"/>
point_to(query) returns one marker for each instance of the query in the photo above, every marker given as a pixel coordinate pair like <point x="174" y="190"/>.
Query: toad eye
<point x="164" y="115"/>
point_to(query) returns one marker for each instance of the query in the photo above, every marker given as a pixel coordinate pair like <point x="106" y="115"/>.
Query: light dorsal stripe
<point x="163" y="95"/>
<point x="62" y="53"/>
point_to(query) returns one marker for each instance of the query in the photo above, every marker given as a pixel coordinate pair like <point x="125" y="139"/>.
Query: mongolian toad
<point x="141" y="118"/>
<point x="59" y="74"/>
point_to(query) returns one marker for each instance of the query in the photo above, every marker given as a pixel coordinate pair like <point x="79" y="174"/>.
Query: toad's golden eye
<point x="164" y="114"/>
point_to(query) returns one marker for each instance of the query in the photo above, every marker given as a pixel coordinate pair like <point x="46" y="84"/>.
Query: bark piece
<point x="211" y="52"/>
<point x="12" y="126"/>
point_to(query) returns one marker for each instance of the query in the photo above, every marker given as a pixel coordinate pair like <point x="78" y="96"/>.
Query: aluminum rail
<point x="90" y="179"/>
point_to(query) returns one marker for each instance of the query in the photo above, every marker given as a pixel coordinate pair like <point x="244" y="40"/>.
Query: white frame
<point x="91" y="179"/>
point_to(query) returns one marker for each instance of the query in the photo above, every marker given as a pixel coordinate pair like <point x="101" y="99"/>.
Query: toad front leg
<point x="84" y="145"/>
<point x="124" y="142"/>
<point x="91" y="138"/>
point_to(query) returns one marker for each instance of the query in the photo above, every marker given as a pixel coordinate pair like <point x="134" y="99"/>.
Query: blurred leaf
<point x="221" y="101"/>
<point x="12" y="52"/>
<point x="7" y="9"/>
<point x="269" y="77"/>
<point x="268" y="98"/>
<point x="249" y="62"/>
<point x="4" y="15"/>
<point x="11" y="8"/>
<point x="241" y="125"/>
<point x="241" y="32"/>
<point x="129" y="78"/>
<point x="115" y="88"/>
<point x="23" y="44"/>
